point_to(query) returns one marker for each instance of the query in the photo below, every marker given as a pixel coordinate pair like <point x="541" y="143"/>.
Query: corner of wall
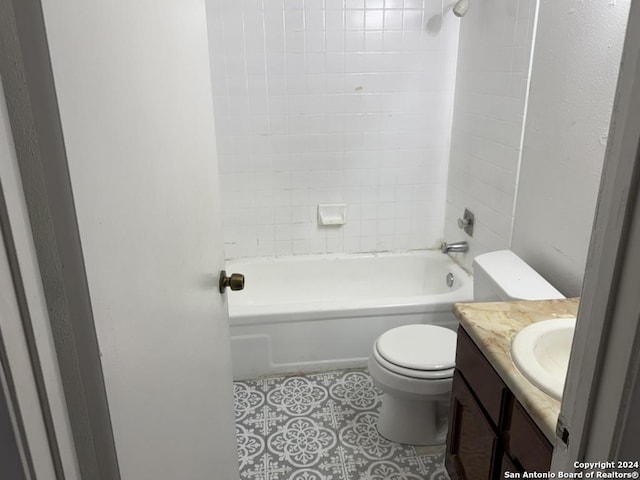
<point x="496" y="40"/>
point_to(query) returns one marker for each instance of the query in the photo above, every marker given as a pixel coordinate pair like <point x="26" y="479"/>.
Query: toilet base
<point x="414" y="422"/>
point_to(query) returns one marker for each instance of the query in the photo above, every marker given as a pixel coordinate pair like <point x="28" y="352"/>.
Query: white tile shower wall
<point x="332" y="101"/>
<point x="491" y="87"/>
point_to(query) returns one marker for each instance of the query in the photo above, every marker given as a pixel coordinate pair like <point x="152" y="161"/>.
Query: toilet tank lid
<point x="515" y="277"/>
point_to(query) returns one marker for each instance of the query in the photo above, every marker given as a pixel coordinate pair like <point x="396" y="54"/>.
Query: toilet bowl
<point x="413" y="365"/>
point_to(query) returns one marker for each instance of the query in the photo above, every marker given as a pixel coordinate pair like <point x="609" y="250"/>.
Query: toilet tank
<point x="503" y="276"/>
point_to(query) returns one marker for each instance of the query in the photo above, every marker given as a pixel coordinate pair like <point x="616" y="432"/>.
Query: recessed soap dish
<point x="330" y="215"/>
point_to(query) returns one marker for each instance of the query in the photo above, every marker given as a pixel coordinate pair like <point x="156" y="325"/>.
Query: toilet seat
<point x="417" y="351"/>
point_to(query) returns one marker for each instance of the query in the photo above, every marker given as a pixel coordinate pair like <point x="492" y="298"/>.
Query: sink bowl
<point x="541" y="353"/>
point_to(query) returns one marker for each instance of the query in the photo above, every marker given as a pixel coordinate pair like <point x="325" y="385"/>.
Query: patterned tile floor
<point x="322" y="427"/>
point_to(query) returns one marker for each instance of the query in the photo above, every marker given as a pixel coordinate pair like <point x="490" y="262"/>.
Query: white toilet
<point x="413" y="365"/>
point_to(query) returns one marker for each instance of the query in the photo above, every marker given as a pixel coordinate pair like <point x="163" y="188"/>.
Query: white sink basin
<point x="541" y="353"/>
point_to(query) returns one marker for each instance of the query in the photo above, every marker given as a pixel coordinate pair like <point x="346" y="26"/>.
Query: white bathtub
<point x="310" y="313"/>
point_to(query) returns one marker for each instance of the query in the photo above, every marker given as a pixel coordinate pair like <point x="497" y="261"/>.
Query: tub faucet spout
<point x="454" y="247"/>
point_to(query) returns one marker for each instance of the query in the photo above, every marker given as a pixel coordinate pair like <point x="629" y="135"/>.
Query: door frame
<point x="16" y="451"/>
<point x="37" y="135"/>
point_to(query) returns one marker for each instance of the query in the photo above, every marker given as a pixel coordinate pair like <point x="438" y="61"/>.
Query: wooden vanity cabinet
<point x="489" y="431"/>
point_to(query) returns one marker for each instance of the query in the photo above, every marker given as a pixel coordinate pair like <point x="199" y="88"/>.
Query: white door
<point x="133" y="86"/>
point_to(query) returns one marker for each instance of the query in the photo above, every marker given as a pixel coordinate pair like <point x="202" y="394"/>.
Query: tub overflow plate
<point x="449" y="279"/>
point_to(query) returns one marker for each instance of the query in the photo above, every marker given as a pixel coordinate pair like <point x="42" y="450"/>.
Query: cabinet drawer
<point x="481" y="377"/>
<point x="526" y="444"/>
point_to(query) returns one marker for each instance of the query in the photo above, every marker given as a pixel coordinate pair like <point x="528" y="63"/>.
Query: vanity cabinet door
<point x="472" y="443"/>
<point x="526" y="444"/>
<point x="508" y="467"/>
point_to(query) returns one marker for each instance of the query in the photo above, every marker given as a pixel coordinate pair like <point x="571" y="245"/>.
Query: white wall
<point x="575" y="70"/>
<point x="491" y="88"/>
<point x="328" y="102"/>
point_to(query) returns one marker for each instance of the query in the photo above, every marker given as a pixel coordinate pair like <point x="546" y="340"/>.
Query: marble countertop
<point x="492" y="326"/>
